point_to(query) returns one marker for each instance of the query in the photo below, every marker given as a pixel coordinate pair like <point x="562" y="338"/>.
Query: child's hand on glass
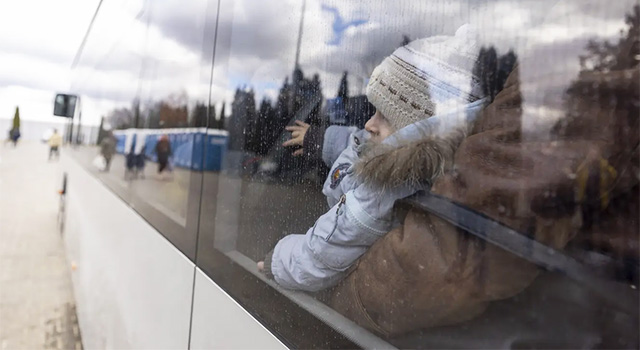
<point x="297" y="136"/>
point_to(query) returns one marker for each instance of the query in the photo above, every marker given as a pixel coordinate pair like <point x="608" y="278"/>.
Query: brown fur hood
<point x="412" y="162"/>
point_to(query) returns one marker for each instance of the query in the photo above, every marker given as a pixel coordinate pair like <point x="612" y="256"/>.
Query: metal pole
<point x="294" y="81"/>
<point x="76" y="59"/>
<point x="79" y="105"/>
<point x="70" y="131"/>
<point x="304" y="4"/>
<point x="70" y="136"/>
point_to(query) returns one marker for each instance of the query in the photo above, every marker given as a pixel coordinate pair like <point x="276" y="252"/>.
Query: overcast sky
<point x="162" y="49"/>
<point x="38" y="42"/>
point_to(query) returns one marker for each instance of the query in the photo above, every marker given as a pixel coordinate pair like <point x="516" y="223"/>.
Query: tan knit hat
<point x="426" y="77"/>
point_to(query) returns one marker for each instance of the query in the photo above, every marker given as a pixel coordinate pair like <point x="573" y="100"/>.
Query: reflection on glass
<point x="537" y="162"/>
<point x="150" y="88"/>
<point x="242" y="101"/>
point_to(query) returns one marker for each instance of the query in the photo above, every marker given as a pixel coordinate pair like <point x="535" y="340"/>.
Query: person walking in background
<point x="55" y="141"/>
<point x="139" y="161"/>
<point x="163" y="151"/>
<point x="108" y="149"/>
<point x="14" y="133"/>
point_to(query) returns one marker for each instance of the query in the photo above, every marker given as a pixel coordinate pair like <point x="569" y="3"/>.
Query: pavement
<point x="37" y="308"/>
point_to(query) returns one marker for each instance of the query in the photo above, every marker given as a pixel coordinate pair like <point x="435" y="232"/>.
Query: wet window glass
<point x="442" y="174"/>
<point x="491" y="201"/>
<point x="144" y="74"/>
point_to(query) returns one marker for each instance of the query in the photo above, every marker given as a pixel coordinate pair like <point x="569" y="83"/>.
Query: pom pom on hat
<point x="426" y="77"/>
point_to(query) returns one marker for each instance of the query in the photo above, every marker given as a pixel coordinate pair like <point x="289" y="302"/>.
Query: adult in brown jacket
<point x="108" y="149"/>
<point x="429" y="273"/>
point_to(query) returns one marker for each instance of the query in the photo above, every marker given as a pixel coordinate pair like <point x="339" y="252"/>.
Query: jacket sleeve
<point x="336" y="139"/>
<point x="320" y="258"/>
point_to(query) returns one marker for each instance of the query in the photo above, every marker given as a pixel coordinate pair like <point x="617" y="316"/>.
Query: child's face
<point x="379" y="127"/>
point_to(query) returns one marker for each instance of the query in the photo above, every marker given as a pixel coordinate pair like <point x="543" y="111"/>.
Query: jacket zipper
<point x="343" y="199"/>
<point x="341" y="202"/>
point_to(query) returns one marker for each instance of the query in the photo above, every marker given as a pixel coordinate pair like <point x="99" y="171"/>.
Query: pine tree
<point x="212" y="123"/>
<point x="493" y="70"/>
<point x="251" y="130"/>
<point x="266" y="128"/>
<point x="222" y="122"/>
<point x="343" y="90"/>
<point x="603" y="56"/>
<point x="16" y="119"/>
<point x="200" y="115"/>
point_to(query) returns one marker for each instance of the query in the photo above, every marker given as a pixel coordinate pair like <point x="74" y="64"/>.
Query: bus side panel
<point x="132" y="287"/>
<point x="219" y="322"/>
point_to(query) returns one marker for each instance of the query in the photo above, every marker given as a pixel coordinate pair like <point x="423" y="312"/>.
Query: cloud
<point x="44" y="28"/>
<point x="35" y="104"/>
<point x="340" y="25"/>
<point x="152" y="49"/>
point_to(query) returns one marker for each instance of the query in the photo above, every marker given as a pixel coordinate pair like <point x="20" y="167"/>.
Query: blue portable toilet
<point x="199" y="136"/>
<point x="120" y="141"/>
<point x="141" y="136"/>
<point x="150" y="146"/>
<point x="187" y="145"/>
<point x="180" y="150"/>
<point x="125" y="140"/>
<point x="215" y="149"/>
<point x="174" y="147"/>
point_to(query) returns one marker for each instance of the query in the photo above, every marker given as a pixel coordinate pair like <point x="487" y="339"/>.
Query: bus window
<point x="537" y="160"/>
<point x="152" y="136"/>
<point x="442" y="174"/>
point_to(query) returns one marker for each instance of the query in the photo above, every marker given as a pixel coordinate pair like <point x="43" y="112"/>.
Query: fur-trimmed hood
<point x="417" y="154"/>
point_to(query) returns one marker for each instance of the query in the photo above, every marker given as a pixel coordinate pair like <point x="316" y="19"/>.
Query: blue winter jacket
<point x="359" y="215"/>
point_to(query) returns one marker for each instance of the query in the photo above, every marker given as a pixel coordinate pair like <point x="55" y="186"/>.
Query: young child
<point x="426" y="94"/>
